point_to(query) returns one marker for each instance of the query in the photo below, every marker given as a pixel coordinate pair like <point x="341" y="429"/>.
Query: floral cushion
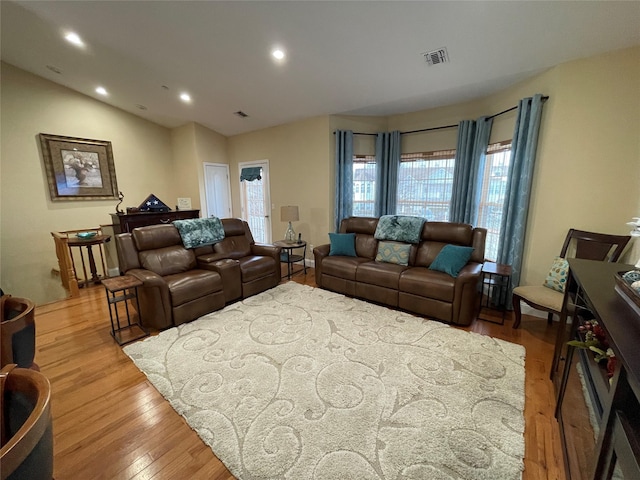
<point x="393" y="252"/>
<point x="557" y="277"/>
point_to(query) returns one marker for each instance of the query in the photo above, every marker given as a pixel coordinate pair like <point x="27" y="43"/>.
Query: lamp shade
<point x="289" y="213"/>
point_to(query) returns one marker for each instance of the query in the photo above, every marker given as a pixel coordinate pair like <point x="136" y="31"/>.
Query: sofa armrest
<point x="154" y="298"/>
<point x="319" y="253"/>
<point x="465" y="295"/>
<point x="266" y="250"/>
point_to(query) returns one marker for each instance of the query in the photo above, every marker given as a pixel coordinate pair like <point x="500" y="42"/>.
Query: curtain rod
<point x="544" y="99"/>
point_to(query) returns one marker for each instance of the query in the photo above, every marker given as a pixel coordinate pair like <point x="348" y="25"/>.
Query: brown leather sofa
<point x="247" y="268"/>
<point x="414" y="287"/>
<point x="174" y="290"/>
<point x="180" y="284"/>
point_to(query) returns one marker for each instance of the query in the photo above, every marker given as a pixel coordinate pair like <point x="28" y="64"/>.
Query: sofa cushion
<point x="343" y="244"/>
<point x="451" y="259"/>
<point x="253" y="267"/>
<point x="342" y="267"/>
<point x="168" y="260"/>
<point x="236" y="246"/>
<point x="381" y="274"/>
<point x="185" y="287"/>
<point x="427" y="283"/>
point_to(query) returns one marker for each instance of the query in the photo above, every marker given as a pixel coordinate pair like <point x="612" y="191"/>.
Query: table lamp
<point x="289" y="214"/>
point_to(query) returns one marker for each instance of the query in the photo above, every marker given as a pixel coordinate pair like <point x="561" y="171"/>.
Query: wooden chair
<point x="578" y="244"/>
<point x="27" y="436"/>
<point x="17" y="332"/>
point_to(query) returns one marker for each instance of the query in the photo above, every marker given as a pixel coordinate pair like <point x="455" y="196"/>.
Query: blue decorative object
<point x="343" y="244"/>
<point x="451" y="259"/>
<point x="399" y="228"/>
<point x="86" y="235"/>
<point x="199" y="232"/>
<point x="631" y="276"/>
<point x="153" y="204"/>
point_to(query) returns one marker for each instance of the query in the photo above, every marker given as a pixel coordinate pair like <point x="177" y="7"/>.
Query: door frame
<point x="206" y="193"/>
<point x="267" y="192"/>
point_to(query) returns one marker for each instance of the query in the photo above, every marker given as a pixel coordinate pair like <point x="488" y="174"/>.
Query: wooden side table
<point x="497" y="278"/>
<point x="289" y="258"/>
<point x="121" y="289"/>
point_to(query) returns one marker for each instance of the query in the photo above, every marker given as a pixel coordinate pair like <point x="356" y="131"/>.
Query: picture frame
<point x="79" y="168"/>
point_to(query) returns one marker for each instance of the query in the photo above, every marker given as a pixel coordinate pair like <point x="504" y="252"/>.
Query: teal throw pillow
<point x="393" y="252"/>
<point x="557" y="277"/>
<point x="343" y="244"/>
<point x="451" y="259"/>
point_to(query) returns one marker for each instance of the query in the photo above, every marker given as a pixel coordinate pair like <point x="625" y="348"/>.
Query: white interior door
<point x="255" y="199"/>
<point x="217" y="190"/>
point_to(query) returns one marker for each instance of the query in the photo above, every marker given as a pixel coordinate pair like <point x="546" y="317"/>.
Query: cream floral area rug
<point x="301" y="383"/>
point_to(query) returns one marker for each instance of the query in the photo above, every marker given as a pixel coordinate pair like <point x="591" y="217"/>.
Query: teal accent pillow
<point x="557" y="277"/>
<point x="393" y="252"/>
<point x="451" y="259"/>
<point x="343" y="244"/>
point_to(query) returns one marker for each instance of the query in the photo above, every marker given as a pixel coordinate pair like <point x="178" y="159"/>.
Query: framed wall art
<point x="79" y="168"/>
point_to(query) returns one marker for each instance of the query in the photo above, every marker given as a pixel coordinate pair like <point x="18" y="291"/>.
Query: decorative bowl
<point x="86" y="235"/>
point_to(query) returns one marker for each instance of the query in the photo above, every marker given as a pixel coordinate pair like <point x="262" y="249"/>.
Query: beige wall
<point x="32" y="105"/>
<point x="587" y="174"/>
<point x="299" y="165"/>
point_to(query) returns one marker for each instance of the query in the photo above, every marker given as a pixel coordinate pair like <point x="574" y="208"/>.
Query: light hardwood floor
<point x="110" y="422"/>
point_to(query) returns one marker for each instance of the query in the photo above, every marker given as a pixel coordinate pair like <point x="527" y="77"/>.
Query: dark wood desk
<point x="125" y="222"/>
<point x="599" y="419"/>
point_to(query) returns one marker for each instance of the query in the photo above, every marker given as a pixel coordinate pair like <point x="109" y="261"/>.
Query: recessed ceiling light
<point x="74" y="38"/>
<point x="278" y="54"/>
<point x="185" y="97"/>
<point x="101" y="91"/>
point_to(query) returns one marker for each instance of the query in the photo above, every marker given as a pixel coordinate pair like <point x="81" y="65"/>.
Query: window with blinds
<point x="364" y="185"/>
<point x="425" y="181"/>
<point x="494" y="185"/>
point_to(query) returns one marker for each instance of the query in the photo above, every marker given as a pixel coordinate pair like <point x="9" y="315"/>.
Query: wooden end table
<point x="289" y="258"/>
<point x="497" y="278"/>
<point x="121" y="289"/>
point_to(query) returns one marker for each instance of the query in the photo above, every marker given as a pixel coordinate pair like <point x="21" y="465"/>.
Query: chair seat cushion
<point x="540" y="295"/>
<point x="191" y="285"/>
<point x="255" y="266"/>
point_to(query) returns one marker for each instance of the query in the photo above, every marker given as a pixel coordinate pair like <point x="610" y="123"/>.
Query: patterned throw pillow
<point x="393" y="252"/>
<point x="557" y="278"/>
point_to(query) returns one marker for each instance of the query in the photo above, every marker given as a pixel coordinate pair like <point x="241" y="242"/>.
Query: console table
<point x="125" y="222"/>
<point x="599" y="419"/>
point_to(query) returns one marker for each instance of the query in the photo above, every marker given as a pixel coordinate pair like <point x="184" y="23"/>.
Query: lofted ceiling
<point x="353" y="58"/>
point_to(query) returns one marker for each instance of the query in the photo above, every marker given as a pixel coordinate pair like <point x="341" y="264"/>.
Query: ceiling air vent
<point x="241" y="114"/>
<point x="437" y="56"/>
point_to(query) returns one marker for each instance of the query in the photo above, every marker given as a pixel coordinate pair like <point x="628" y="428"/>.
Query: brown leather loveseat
<point x="413" y="287"/>
<point x="180" y="284"/>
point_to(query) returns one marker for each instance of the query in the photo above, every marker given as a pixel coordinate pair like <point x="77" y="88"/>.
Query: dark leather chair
<point x="174" y="290"/>
<point x="577" y="244"/>
<point x="247" y="268"/>
<point x="17" y="332"/>
<point x="26" y="428"/>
